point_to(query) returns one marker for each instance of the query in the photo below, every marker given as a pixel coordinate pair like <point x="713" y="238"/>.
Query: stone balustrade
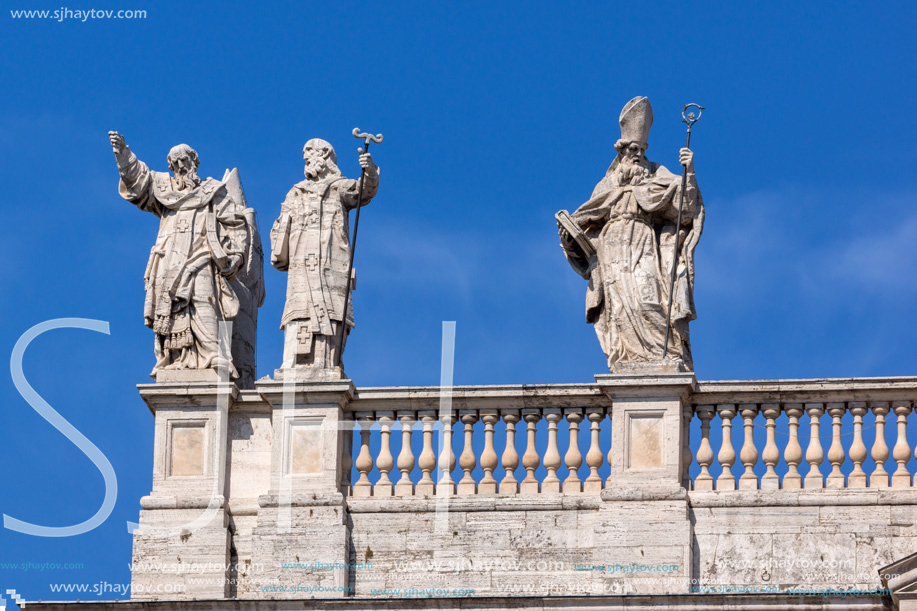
<point x="805" y="434"/>
<point x="510" y="439"/>
<point x="541" y="481"/>
<point x="758" y="435"/>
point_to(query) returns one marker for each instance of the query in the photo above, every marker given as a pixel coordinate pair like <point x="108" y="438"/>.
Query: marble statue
<point x="310" y="240"/>
<point x="206" y="265"/>
<point x="622" y="242"/>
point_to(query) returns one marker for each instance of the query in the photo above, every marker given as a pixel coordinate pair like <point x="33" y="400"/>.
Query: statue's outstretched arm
<point x="136" y="178"/>
<point x="370" y="173"/>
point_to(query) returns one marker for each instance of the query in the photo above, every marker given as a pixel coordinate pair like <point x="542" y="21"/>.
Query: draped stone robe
<point x="311" y="241"/>
<point x="632" y="229"/>
<point x="187" y="292"/>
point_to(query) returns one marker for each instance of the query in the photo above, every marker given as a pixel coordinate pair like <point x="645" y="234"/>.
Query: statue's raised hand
<point x="366" y="162"/>
<point x="686" y="158"/>
<point x="117" y="142"/>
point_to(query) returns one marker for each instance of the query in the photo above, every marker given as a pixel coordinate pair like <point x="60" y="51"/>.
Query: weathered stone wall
<point x="821" y="538"/>
<point x="286" y="530"/>
<point x="526" y="550"/>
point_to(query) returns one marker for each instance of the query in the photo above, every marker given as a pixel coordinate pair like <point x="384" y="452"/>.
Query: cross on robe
<point x="183" y="225"/>
<point x="312" y="262"/>
<point x="304" y="335"/>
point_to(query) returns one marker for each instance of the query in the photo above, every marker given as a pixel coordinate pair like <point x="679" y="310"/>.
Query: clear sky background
<point x="495" y="116"/>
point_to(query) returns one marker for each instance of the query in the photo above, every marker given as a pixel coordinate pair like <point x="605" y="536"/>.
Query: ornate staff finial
<point x="367" y="138"/>
<point x="691" y="118"/>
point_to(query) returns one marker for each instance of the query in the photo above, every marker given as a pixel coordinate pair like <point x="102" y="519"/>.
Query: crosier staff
<point x="367" y="139"/>
<point x="690" y="119"/>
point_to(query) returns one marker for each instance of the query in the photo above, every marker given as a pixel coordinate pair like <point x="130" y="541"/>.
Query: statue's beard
<point x="631" y="170"/>
<point x="315" y="168"/>
<point x="186" y="179"/>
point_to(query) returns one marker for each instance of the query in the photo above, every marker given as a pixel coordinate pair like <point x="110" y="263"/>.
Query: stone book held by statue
<point x="582" y="240"/>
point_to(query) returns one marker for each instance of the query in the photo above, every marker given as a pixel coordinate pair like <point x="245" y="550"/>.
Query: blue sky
<point x="495" y="116"/>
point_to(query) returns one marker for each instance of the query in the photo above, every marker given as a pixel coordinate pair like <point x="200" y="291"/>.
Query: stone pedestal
<point x="648" y="434"/>
<point x="302" y="536"/>
<point x="644" y="530"/>
<point x="182" y="546"/>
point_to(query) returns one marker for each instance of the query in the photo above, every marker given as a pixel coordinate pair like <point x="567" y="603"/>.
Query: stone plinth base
<point x="660" y="366"/>
<point x="186" y="376"/>
<point x="309" y="374"/>
<point x="303" y="548"/>
<point x="181" y="554"/>
<point x="645" y="547"/>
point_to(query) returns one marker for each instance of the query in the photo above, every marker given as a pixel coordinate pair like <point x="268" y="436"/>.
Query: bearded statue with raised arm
<point x="205" y="267"/>
<point x="310" y="240"/>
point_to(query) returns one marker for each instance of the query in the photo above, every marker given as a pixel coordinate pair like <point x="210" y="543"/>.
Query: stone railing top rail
<point x="520" y="396"/>
<point x="591" y="394"/>
<point x="801" y="391"/>
<point x="585" y="395"/>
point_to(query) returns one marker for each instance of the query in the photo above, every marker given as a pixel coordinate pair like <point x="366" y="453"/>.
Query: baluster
<point x="594" y="456"/>
<point x="384" y="461"/>
<point x="510" y="460"/>
<point x="427" y="457"/>
<point x="879" y="477"/>
<point x="405" y="487"/>
<point x="687" y="457"/>
<point x="347" y="465"/>
<point x="836" y="453"/>
<point x="573" y="459"/>
<point x="901" y="478"/>
<point x="792" y="454"/>
<point x="704" y="481"/>
<point x="363" y="487"/>
<point x="467" y="460"/>
<point x="771" y="455"/>
<point x="446" y="485"/>
<point x="857" y="477"/>
<point x="488" y="484"/>
<point x="912" y="406"/>
<point x="727" y="455"/>
<point x="530" y="458"/>
<point x="610" y="456"/>
<point x="814" y="454"/>
<point x="749" y="453"/>
<point x="552" y="462"/>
